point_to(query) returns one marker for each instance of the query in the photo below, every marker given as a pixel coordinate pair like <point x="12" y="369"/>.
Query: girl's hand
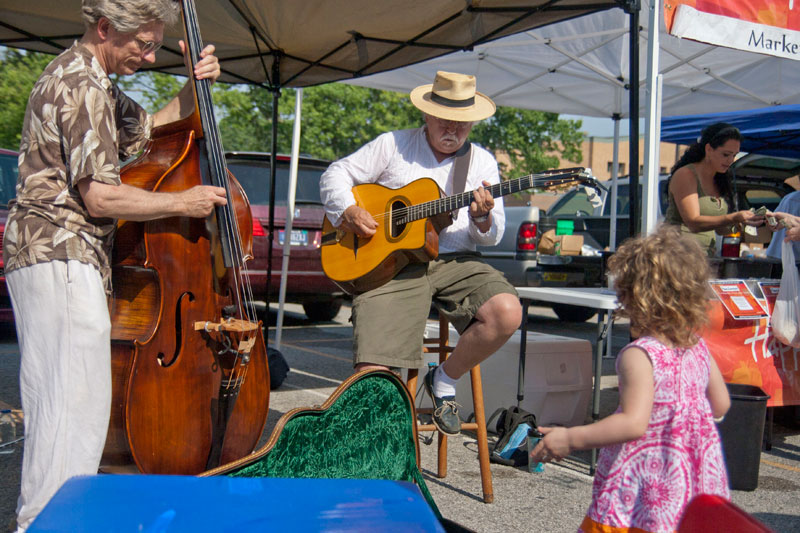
<point x="554" y="445"/>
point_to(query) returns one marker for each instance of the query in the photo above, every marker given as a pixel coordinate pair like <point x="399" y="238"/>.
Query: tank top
<point x="709" y="206"/>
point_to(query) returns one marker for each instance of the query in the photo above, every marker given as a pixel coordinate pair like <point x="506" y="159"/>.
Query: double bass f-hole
<point x="178" y="332"/>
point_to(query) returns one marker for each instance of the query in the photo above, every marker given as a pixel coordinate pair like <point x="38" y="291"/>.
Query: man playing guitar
<point x="389" y="321"/>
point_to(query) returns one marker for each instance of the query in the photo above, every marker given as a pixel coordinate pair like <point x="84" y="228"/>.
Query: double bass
<point x="190" y="380"/>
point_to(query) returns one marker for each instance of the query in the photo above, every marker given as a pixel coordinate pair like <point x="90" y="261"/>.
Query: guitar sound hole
<point x="399" y="215"/>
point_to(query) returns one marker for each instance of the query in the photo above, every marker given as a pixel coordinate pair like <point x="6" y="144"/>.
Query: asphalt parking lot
<point x="552" y="501"/>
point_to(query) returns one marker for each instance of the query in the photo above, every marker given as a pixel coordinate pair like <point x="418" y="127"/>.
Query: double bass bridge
<point x="238" y="336"/>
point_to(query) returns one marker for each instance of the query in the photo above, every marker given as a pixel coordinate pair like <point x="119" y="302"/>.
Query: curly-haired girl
<point x="661" y="446"/>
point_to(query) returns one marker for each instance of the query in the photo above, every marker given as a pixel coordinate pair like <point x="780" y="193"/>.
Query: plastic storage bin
<point x="558" y="378"/>
<point x="565" y="227"/>
<point x="742" y="432"/>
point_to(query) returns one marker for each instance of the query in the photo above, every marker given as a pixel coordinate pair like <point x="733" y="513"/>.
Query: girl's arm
<point x="636" y="387"/>
<point x="717" y="392"/>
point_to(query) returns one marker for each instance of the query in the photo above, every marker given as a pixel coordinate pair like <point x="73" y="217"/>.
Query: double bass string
<point x="219" y="177"/>
<point x="229" y="227"/>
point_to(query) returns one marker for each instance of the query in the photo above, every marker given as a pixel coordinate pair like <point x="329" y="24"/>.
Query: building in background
<point x="598" y="154"/>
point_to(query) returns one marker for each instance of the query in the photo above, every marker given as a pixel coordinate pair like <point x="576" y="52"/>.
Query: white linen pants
<point x="64" y="331"/>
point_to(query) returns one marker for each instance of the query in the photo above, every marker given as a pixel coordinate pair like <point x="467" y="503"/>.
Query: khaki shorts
<point x="389" y="322"/>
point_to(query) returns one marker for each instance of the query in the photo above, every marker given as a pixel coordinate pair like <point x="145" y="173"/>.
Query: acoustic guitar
<point x="409" y="220"/>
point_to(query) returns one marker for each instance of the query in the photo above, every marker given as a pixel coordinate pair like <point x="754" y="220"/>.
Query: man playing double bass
<point x="389" y="321"/>
<point x="78" y="126"/>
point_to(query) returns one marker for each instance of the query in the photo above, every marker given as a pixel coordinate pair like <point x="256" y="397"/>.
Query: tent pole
<point x="612" y="230"/>
<point x="287" y="234"/>
<point x="652" y="145"/>
<point x="633" y="8"/>
<point x="271" y="231"/>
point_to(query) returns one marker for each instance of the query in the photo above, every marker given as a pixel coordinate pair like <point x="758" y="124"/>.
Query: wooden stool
<point x="441" y="346"/>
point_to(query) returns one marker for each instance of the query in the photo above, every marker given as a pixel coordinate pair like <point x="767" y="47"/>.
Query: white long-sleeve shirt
<point x="397" y="158"/>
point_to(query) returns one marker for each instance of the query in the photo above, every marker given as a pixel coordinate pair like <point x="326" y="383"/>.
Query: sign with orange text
<point x="747" y="353"/>
<point x="763" y="26"/>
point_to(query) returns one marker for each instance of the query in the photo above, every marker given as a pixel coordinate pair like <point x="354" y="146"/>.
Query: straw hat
<point x="452" y="96"/>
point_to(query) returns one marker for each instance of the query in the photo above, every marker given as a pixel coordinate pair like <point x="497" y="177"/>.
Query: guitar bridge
<point x="332" y="237"/>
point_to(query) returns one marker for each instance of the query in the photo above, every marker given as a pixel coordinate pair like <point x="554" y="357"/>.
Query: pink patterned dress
<point x="645" y="484"/>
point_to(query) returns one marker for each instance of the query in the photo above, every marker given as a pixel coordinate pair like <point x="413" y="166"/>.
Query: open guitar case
<point x="366" y="429"/>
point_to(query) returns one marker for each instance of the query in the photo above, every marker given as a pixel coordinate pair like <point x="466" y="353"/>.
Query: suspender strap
<point x="461" y="169"/>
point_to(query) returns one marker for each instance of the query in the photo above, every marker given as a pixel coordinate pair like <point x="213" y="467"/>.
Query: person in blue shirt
<point x="789" y="204"/>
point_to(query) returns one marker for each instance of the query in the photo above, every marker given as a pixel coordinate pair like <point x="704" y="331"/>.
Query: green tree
<point x="337" y="118"/>
<point x="156" y="89"/>
<point x="18" y="72"/>
<point x="340" y="118"/>
<point x="530" y="138"/>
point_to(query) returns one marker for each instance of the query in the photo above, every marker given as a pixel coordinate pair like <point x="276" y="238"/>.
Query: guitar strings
<point x="430" y="206"/>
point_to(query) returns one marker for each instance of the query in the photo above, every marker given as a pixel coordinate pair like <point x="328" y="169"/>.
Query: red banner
<point x="763" y="26"/>
<point x="747" y="353"/>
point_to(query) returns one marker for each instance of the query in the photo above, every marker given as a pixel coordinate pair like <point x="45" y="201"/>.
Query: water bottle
<point x="533" y="439"/>
<point x="8" y="431"/>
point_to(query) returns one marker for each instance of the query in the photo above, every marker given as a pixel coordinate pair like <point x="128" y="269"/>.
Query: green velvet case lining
<point x="367" y="433"/>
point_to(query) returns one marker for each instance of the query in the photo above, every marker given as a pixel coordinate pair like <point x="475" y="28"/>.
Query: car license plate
<point x="299" y="237"/>
<point x="554" y="276"/>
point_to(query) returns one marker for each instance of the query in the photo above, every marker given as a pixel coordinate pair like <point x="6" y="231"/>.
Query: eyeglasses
<point x="146" y="47"/>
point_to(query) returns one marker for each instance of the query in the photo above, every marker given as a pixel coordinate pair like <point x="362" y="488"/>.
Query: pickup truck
<point x="517" y="256"/>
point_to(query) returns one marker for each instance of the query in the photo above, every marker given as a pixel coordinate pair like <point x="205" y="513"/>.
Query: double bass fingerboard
<point x="216" y="168"/>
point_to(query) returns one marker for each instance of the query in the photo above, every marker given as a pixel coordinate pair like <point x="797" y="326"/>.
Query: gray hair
<point x="127" y="16"/>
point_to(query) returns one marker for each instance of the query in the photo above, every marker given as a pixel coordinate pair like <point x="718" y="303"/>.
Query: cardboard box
<point x="547" y="243"/>
<point x="761" y="234"/>
<point x="569" y="244"/>
<point x="558" y="378"/>
<point x="552" y="244"/>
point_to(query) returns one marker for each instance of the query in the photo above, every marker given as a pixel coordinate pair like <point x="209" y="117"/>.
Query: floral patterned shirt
<point x="78" y="125"/>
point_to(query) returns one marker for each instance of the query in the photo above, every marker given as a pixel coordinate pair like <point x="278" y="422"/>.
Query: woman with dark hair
<point x="700" y="190"/>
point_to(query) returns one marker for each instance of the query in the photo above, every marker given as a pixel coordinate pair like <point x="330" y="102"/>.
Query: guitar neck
<point x="457" y="201"/>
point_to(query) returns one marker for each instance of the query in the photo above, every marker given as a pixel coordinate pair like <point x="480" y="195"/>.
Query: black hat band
<point x="448" y="102"/>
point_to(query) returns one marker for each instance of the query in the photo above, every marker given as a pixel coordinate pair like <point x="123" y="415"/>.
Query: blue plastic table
<point x="145" y="503"/>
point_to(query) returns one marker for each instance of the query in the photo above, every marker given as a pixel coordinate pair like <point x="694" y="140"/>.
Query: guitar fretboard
<point x="457" y="201"/>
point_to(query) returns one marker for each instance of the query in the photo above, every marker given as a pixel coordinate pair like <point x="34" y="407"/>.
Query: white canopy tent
<point x="581" y="67"/>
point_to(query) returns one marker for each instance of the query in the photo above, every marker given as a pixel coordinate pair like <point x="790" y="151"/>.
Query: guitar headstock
<point x="564" y="179"/>
<point x="590" y="181"/>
